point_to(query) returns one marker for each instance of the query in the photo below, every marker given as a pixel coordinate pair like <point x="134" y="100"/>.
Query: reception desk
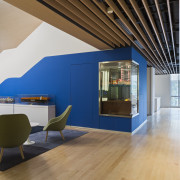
<point x="36" y="113"/>
<point x="6" y="108"/>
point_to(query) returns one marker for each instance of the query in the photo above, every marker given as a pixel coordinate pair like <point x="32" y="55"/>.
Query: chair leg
<point x="2" y="150"/>
<point x="62" y="135"/>
<point x="21" y="150"/>
<point x="46" y="136"/>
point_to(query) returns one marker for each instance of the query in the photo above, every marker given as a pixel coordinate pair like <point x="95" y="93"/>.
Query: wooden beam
<point x="91" y="16"/>
<point x="46" y="14"/>
<point x="104" y="9"/>
<point x="164" y="33"/>
<point x="75" y="18"/>
<point x="146" y="27"/>
<point x="155" y="30"/>
<point x="134" y="21"/>
<point x="171" y="27"/>
<point x="103" y="18"/>
<point x="125" y="22"/>
<point x="86" y="19"/>
<point x="111" y="17"/>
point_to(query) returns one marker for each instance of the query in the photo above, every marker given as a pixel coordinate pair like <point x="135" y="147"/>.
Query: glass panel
<point x="174" y="84"/>
<point x="175" y="90"/>
<point x="35" y="99"/>
<point x="134" y="88"/>
<point x="174" y="101"/>
<point x="115" y="88"/>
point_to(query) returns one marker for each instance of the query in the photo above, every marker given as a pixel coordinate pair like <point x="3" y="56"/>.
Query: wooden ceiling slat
<point x="104" y="9"/>
<point x="123" y="19"/>
<point x="65" y="11"/>
<point x="164" y="33"/>
<point x="172" y="36"/>
<point x="46" y="14"/>
<point x="96" y="20"/>
<point x="90" y="21"/>
<point x="85" y="18"/>
<point x="143" y="21"/>
<point x="103" y="18"/>
<point x="155" y="29"/>
<point x="149" y="60"/>
<point x="134" y="21"/>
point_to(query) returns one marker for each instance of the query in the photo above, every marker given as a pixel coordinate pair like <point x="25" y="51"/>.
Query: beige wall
<point x="15" y="25"/>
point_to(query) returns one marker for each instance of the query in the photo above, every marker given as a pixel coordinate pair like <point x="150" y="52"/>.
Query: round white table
<point x="28" y="141"/>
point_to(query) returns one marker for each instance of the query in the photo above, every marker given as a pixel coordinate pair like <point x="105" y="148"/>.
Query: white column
<point x="150" y="90"/>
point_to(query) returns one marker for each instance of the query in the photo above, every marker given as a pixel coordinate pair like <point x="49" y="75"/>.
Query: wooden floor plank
<point x="153" y="153"/>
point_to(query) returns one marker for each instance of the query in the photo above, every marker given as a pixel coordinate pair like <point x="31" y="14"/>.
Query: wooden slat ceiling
<point x="151" y="26"/>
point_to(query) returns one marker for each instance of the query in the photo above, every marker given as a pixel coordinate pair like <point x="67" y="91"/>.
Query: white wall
<point x="46" y="40"/>
<point x="162" y="84"/>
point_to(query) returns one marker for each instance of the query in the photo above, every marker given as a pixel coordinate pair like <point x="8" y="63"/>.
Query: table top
<point x="33" y="124"/>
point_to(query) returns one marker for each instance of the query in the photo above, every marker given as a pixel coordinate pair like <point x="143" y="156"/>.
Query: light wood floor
<point x="153" y="153"/>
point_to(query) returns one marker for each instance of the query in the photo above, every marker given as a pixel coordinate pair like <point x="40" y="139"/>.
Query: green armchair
<point x="14" y="131"/>
<point x="58" y="123"/>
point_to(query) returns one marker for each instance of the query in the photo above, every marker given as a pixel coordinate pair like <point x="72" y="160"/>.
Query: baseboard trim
<point x="97" y="129"/>
<point x="139" y="127"/>
<point x="123" y="132"/>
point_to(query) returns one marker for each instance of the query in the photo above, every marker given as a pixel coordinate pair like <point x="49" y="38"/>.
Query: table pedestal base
<point x="29" y="142"/>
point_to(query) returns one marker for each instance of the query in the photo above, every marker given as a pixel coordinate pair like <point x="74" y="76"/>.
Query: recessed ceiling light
<point x="109" y="10"/>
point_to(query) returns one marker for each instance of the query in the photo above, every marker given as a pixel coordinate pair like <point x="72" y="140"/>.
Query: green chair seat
<point x="14" y="131"/>
<point x="58" y="123"/>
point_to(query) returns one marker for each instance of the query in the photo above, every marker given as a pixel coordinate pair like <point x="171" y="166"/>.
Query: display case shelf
<point x="118" y="88"/>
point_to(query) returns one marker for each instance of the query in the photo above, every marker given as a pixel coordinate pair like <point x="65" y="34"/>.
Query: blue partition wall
<point x="73" y="79"/>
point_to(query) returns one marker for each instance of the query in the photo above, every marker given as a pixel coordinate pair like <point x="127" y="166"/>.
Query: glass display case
<point x="35" y="99"/>
<point x="7" y="99"/>
<point x="118" y="88"/>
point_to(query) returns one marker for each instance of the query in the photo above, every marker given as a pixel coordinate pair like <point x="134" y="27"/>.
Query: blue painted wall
<point x="73" y="79"/>
<point x="137" y="121"/>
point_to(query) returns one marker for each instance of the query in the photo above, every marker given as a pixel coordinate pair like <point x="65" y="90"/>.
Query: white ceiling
<point x="15" y="25"/>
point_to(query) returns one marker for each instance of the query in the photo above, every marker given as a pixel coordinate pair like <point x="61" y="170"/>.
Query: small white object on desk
<point x="28" y="141"/>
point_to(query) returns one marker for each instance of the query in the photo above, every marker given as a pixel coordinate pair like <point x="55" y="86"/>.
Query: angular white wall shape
<point x="46" y="40"/>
